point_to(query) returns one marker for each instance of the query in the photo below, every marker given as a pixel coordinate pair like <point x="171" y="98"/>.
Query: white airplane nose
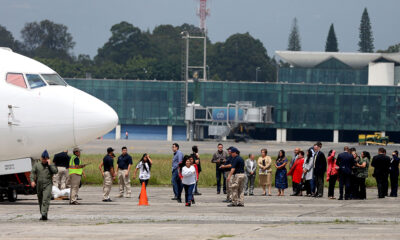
<point x="92" y="117"/>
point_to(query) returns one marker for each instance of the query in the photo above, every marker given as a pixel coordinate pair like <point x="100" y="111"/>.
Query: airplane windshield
<point x="53" y="79"/>
<point x="35" y="81"/>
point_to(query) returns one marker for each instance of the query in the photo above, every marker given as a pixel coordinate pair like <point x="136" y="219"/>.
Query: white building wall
<point x="381" y="74"/>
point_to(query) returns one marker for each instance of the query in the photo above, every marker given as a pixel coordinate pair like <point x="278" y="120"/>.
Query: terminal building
<point x="318" y="96"/>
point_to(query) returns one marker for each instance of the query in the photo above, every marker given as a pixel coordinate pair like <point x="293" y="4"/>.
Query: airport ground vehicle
<point x="373" y="139"/>
<point x="14" y="179"/>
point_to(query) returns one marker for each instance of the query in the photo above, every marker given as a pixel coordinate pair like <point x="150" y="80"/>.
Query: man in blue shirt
<point x="345" y="161"/>
<point x="124" y="164"/>
<point x="107" y="171"/>
<point x="176" y="180"/>
<point x="236" y="179"/>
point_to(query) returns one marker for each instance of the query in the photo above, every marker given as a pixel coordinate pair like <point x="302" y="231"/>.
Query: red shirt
<point x="297" y="170"/>
<point x="332" y="167"/>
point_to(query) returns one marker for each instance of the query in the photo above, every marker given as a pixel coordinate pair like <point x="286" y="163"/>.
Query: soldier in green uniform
<point x="41" y="178"/>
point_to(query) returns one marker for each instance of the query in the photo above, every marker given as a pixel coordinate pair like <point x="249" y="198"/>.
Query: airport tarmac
<point x="262" y="217"/>
<point x="254" y="146"/>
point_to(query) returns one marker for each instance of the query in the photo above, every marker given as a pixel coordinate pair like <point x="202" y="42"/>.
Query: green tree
<point x="139" y="68"/>
<point x="331" y="41"/>
<point x="47" y="40"/>
<point x="166" y="50"/>
<point x="366" y="43"/>
<point x="6" y="38"/>
<point x="238" y="58"/>
<point x="391" y="49"/>
<point x="294" y="37"/>
<point x="126" y="42"/>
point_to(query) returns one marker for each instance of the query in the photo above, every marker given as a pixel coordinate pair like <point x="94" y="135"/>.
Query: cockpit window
<point x="53" y="79"/>
<point x="35" y="81"/>
<point x="16" y="79"/>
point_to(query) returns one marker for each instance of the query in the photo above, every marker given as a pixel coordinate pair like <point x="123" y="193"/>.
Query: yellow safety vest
<point x="72" y="168"/>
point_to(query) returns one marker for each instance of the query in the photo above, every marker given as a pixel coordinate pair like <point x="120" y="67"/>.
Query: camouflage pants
<point x="228" y="186"/>
<point x="237" y="184"/>
<point x="61" y="178"/>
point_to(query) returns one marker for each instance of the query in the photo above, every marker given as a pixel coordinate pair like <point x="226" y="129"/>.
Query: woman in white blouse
<point x="188" y="180"/>
<point x="144" y="167"/>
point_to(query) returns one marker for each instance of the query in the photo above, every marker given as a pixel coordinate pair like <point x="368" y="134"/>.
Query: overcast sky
<point x="89" y="21"/>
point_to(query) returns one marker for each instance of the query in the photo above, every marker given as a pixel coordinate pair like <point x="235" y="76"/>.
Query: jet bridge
<point x="233" y="120"/>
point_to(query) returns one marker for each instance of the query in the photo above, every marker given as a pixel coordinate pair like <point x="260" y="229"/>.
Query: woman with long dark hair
<point x="144" y="167"/>
<point x="196" y="157"/>
<point x="281" y="173"/>
<point x="308" y="170"/>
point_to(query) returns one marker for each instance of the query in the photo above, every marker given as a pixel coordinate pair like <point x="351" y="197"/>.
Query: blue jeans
<point x="312" y="185"/>
<point x="176" y="184"/>
<point x="189" y="192"/>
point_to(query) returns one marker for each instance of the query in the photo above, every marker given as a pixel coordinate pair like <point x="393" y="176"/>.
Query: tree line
<point x="131" y="53"/>
<point x="365" y="43"/>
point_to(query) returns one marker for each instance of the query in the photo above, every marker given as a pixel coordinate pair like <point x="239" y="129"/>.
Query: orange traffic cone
<point x="143" y="196"/>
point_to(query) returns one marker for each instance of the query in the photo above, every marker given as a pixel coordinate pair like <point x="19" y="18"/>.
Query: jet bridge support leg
<point x="169" y="133"/>
<point x="281" y="135"/>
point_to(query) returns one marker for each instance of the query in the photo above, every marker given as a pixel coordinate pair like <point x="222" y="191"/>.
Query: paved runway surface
<point x="164" y="147"/>
<point x="262" y="217"/>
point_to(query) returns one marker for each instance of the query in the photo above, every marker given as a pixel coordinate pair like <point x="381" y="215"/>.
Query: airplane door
<point x="13" y="115"/>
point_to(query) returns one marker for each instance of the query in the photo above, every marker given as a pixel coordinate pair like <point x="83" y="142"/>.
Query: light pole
<point x="185" y="35"/>
<point x="208" y="71"/>
<point x="257" y="70"/>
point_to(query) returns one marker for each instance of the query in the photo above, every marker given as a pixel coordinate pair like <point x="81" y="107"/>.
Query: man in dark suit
<point x="319" y="169"/>
<point x="381" y="164"/>
<point x="345" y="162"/>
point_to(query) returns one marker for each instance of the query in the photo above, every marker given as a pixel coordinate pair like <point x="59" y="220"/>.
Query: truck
<point x="15" y="178"/>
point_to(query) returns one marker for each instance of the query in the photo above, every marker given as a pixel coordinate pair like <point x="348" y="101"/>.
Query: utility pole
<point x="257" y="70"/>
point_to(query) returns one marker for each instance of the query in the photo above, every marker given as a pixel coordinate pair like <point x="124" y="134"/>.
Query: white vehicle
<point x="39" y="110"/>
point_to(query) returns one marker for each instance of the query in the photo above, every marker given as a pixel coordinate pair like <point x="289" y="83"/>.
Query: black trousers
<point x="145" y="183"/>
<point x="195" y="188"/>
<point x="296" y="188"/>
<point x="308" y="187"/>
<point x="353" y="186"/>
<point x="219" y="173"/>
<point x="319" y="185"/>
<point x="360" y="189"/>
<point x="394" y="183"/>
<point x="344" y="182"/>
<point x="331" y="188"/>
<point x="382" y="184"/>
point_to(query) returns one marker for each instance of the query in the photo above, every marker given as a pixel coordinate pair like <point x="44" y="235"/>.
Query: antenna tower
<point x="203" y="12"/>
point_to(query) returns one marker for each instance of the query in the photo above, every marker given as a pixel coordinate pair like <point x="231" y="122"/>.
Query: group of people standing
<point x="186" y="170"/>
<point x="309" y="171"/>
<point x="124" y="164"/>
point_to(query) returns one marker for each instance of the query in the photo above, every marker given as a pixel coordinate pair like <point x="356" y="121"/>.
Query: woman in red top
<point x="297" y="172"/>
<point x="332" y="174"/>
